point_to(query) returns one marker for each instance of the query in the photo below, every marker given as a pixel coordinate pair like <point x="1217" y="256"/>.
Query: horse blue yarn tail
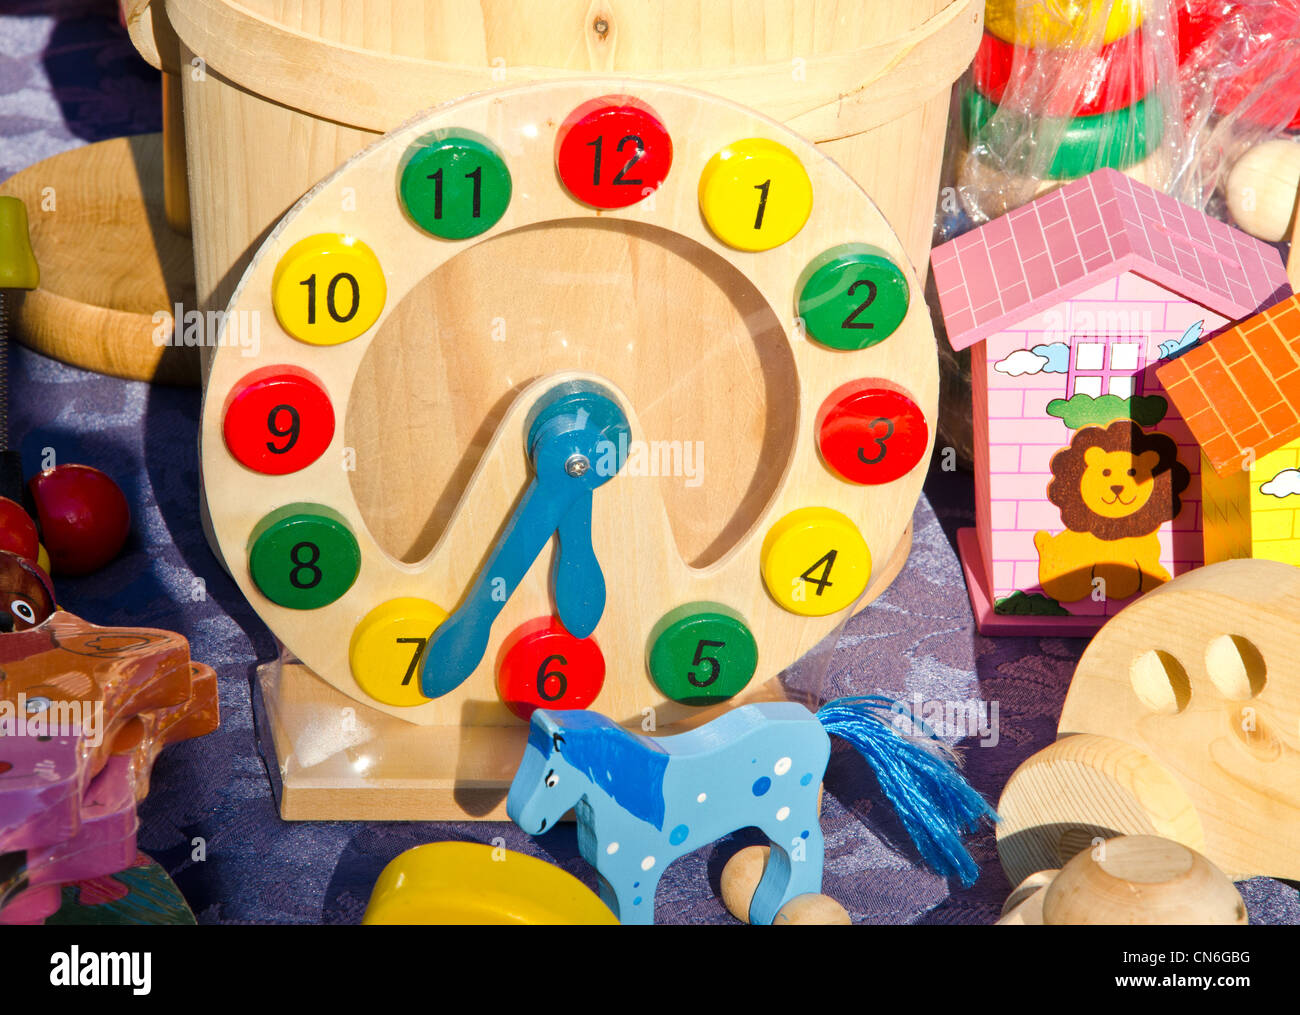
<point x="919" y="777"/>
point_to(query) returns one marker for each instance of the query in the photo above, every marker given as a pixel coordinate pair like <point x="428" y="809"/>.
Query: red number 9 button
<point x="613" y="151"/>
<point x="278" y="420"/>
<point x="544" y="666"/>
<point x="871" y="434"/>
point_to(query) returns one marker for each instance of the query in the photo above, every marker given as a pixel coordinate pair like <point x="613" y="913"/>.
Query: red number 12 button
<point x="613" y="151"/>
<point x="869" y="434"/>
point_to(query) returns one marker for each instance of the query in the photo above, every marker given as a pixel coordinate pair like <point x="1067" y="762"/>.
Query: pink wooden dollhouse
<point x="1087" y="479"/>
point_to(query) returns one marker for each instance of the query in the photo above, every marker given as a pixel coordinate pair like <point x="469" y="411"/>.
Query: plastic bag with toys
<point x="1172" y="92"/>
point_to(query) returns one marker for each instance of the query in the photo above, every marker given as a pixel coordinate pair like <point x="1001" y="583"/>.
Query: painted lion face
<point x="1116" y="484"/>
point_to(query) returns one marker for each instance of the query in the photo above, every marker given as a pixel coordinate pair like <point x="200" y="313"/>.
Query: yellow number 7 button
<point x="755" y="194"/>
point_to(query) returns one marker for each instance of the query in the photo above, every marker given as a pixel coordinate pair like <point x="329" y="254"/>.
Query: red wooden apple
<point x="17" y="530"/>
<point x="83" y="517"/>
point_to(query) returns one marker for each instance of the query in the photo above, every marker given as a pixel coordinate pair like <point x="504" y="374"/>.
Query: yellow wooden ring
<point x="470" y="883"/>
<point x="1062" y="24"/>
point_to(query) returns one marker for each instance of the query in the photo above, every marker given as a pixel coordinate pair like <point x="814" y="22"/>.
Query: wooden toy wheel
<point x="1082" y="790"/>
<point x="712" y="304"/>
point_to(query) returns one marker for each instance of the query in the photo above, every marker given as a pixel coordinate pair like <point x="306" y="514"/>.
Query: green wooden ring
<point x="1114" y="140"/>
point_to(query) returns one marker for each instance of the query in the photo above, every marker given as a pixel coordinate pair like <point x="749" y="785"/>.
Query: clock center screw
<point x="577" y="465"/>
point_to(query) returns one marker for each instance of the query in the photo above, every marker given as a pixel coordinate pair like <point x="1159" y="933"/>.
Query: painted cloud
<point x="1285" y="484"/>
<point x="1021" y="362"/>
<point x="1057" y="355"/>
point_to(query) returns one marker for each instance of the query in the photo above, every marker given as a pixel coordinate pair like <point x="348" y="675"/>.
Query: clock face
<point x="604" y="394"/>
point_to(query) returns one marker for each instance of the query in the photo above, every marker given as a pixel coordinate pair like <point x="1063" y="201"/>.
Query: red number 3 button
<point x="612" y="152"/>
<point x="871" y="434"/>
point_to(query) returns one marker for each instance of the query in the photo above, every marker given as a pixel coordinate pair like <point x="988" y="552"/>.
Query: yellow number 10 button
<point x="755" y="194"/>
<point x="328" y="289"/>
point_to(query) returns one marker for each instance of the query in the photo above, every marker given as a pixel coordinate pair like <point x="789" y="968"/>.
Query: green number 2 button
<point x="852" y="297"/>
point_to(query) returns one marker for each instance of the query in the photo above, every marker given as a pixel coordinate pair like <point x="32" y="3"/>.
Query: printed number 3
<point x="879" y="439"/>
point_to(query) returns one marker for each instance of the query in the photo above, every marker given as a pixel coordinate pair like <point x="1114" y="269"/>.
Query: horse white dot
<point x="782" y="766"/>
<point x="701" y="798"/>
<point x="647" y="863"/>
<point x="783" y="813"/>
<point x="612" y="848"/>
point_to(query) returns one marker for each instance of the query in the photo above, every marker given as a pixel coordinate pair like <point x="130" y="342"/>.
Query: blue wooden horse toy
<point x="642" y="802"/>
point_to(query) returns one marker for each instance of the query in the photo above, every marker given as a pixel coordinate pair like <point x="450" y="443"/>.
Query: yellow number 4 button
<point x="815" y="562"/>
<point x="755" y="194"/>
<point x="387" y="647"/>
<point x="328" y="289"/>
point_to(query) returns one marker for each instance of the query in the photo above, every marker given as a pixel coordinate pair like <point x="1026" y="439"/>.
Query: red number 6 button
<point x="871" y="434"/>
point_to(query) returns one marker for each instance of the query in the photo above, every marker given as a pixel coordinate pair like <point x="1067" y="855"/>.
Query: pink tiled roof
<point x="1067" y="241"/>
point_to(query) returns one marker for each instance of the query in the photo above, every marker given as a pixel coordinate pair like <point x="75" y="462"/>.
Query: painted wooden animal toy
<point x="642" y="802"/>
<point x="84" y="711"/>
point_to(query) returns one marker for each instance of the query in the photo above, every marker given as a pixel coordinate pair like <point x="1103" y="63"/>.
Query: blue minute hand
<point x="577" y="434"/>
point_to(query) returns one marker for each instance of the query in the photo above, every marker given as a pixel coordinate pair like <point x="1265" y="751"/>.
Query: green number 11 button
<point x="701" y="654"/>
<point x="455" y="185"/>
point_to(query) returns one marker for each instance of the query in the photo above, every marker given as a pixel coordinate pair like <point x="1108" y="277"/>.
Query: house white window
<point x="1124" y="356"/>
<point x="1085" y="384"/>
<point x="1122" y="386"/>
<point x="1089" y="356"/>
<point x="1113" y="366"/>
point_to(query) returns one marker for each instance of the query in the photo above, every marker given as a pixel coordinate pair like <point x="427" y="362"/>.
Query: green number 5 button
<point x="701" y="654"/>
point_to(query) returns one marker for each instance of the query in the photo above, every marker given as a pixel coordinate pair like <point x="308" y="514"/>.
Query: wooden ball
<point x="1262" y="189"/>
<point x="1142" y="879"/>
<point x="740" y="879"/>
<point x="812" y="910"/>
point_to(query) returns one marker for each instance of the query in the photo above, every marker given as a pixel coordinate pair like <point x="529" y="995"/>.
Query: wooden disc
<point x="112" y="270"/>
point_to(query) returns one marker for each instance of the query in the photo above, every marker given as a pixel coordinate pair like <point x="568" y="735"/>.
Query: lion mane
<point x="1068" y="466"/>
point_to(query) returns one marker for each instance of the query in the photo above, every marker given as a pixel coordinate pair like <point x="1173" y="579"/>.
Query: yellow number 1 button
<point x="328" y="289"/>
<point x="388" y="646"/>
<point x="755" y="194"/>
<point x="815" y="562"/>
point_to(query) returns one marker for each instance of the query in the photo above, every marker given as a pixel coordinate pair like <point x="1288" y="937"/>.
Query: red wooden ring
<point x="1113" y="77"/>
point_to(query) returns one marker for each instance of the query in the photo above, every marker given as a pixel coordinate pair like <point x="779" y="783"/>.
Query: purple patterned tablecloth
<point x="69" y="76"/>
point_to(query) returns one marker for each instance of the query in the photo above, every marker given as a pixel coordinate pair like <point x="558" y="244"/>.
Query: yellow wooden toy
<point x="471" y="883"/>
<point x="1240" y="395"/>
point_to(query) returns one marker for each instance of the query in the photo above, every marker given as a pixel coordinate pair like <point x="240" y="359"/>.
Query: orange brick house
<point x="1239" y="394"/>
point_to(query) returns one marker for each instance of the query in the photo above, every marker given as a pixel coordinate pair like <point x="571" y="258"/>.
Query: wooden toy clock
<point x="596" y="393"/>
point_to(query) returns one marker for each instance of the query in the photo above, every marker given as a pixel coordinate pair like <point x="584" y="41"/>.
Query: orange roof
<point x="1240" y="391"/>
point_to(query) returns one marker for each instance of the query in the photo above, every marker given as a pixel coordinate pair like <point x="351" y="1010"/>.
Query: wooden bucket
<point x="277" y="94"/>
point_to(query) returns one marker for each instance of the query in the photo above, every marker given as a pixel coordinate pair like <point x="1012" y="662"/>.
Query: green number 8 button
<point x="455" y="185"/>
<point x="303" y="556"/>
<point x="702" y="654"/>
